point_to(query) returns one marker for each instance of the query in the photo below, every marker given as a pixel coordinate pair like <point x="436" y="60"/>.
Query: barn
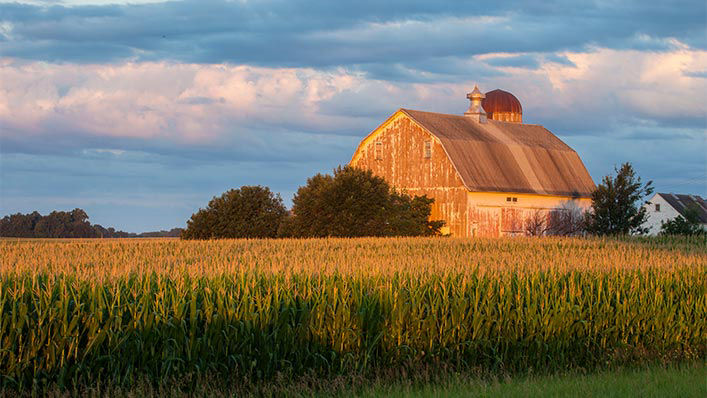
<point x="490" y="174"/>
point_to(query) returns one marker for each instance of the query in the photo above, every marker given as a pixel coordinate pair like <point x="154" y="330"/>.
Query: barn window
<point x="379" y="150"/>
<point x="657" y="207"/>
<point x="515" y="199"/>
<point x="428" y="149"/>
<point x="508" y="199"/>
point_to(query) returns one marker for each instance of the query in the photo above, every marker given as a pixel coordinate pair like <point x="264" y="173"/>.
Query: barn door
<point x="511" y="221"/>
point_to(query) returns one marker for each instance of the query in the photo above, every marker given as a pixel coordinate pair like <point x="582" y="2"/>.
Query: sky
<point x="140" y="112"/>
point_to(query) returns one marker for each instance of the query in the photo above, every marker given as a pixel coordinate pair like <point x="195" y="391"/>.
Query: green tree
<point x="64" y="224"/>
<point x="57" y="224"/>
<point x="617" y="204"/>
<point x="19" y="225"/>
<point x="354" y="202"/>
<point x="247" y="212"/>
<point x="688" y="225"/>
<point x="410" y="216"/>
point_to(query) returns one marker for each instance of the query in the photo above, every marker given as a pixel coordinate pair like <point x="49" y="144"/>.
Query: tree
<point x="247" y="212"/>
<point x="409" y="216"/>
<point x="688" y="225"/>
<point x="172" y="233"/>
<point x="536" y="224"/>
<point x="617" y="207"/>
<point x="63" y="224"/>
<point x="19" y="225"/>
<point x="569" y="220"/>
<point x="354" y="202"/>
<point x="57" y="224"/>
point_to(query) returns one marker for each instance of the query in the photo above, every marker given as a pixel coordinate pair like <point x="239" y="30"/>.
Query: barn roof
<point x="683" y="202"/>
<point x="507" y="157"/>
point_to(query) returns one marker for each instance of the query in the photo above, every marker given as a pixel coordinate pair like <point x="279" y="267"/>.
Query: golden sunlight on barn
<point x="490" y="174"/>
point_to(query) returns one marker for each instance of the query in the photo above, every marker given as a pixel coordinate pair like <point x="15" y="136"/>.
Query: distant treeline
<point x="66" y="224"/>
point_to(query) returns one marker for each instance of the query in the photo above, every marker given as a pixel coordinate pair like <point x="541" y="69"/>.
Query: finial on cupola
<point x="476" y="111"/>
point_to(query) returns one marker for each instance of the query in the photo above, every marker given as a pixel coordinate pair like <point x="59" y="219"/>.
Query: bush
<point x="248" y="212"/>
<point x="354" y="202"/>
<point x="688" y="225"/>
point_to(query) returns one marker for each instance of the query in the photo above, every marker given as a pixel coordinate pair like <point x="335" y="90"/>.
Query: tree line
<point x="354" y="202"/>
<point x="350" y="203"/>
<point x="66" y="224"/>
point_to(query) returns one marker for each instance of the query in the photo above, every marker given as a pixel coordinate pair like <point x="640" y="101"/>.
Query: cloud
<point x="172" y="103"/>
<point x="198" y="110"/>
<point x="701" y="74"/>
<point x="117" y="107"/>
<point x="515" y="61"/>
<point x="321" y="34"/>
<point x="559" y="59"/>
<point x="605" y="88"/>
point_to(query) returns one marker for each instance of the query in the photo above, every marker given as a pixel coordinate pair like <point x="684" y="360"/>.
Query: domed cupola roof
<point x="502" y="105"/>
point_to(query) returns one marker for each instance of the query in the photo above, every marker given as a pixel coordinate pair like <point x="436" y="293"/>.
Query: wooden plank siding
<point x="490" y="214"/>
<point x="405" y="167"/>
<point x="396" y="151"/>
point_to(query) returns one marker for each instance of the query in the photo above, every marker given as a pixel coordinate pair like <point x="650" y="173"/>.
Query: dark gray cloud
<point x="558" y="59"/>
<point x="516" y="61"/>
<point x="701" y="74"/>
<point x="156" y="179"/>
<point x="379" y="36"/>
<point x="255" y="145"/>
<point x="201" y="101"/>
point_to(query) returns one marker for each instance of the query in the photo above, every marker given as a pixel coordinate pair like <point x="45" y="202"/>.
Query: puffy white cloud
<point x="608" y="87"/>
<point x="182" y="102"/>
<point x="194" y="103"/>
<point x="92" y="134"/>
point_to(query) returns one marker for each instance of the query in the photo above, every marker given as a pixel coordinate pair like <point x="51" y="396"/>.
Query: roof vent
<point x="476" y="111"/>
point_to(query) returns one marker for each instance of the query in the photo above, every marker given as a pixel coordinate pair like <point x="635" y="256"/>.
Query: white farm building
<point x="663" y="207"/>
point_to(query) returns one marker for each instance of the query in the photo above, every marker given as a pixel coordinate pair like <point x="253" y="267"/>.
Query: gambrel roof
<point x="500" y="156"/>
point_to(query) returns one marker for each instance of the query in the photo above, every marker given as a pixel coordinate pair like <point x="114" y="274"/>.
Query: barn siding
<point x="489" y="214"/>
<point x="404" y="166"/>
<point x="466" y="213"/>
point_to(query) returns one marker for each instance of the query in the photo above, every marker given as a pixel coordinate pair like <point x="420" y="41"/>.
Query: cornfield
<point x="76" y="311"/>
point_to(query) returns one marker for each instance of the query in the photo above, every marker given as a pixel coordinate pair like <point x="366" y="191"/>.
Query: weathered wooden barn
<point x="490" y="174"/>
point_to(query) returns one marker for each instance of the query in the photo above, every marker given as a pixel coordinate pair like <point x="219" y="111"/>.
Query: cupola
<point x="503" y="106"/>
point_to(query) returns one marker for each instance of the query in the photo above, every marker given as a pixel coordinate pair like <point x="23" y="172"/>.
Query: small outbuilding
<point x="490" y="174"/>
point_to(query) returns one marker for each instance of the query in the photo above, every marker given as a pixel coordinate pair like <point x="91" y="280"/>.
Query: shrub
<point x="354" y="202"/>
<point x="248" y="212"/>
<point x="688" y="225"/>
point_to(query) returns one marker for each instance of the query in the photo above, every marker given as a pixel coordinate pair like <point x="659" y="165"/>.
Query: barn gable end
<point x="488" y="177"/>
<point x="401" y="145"/>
